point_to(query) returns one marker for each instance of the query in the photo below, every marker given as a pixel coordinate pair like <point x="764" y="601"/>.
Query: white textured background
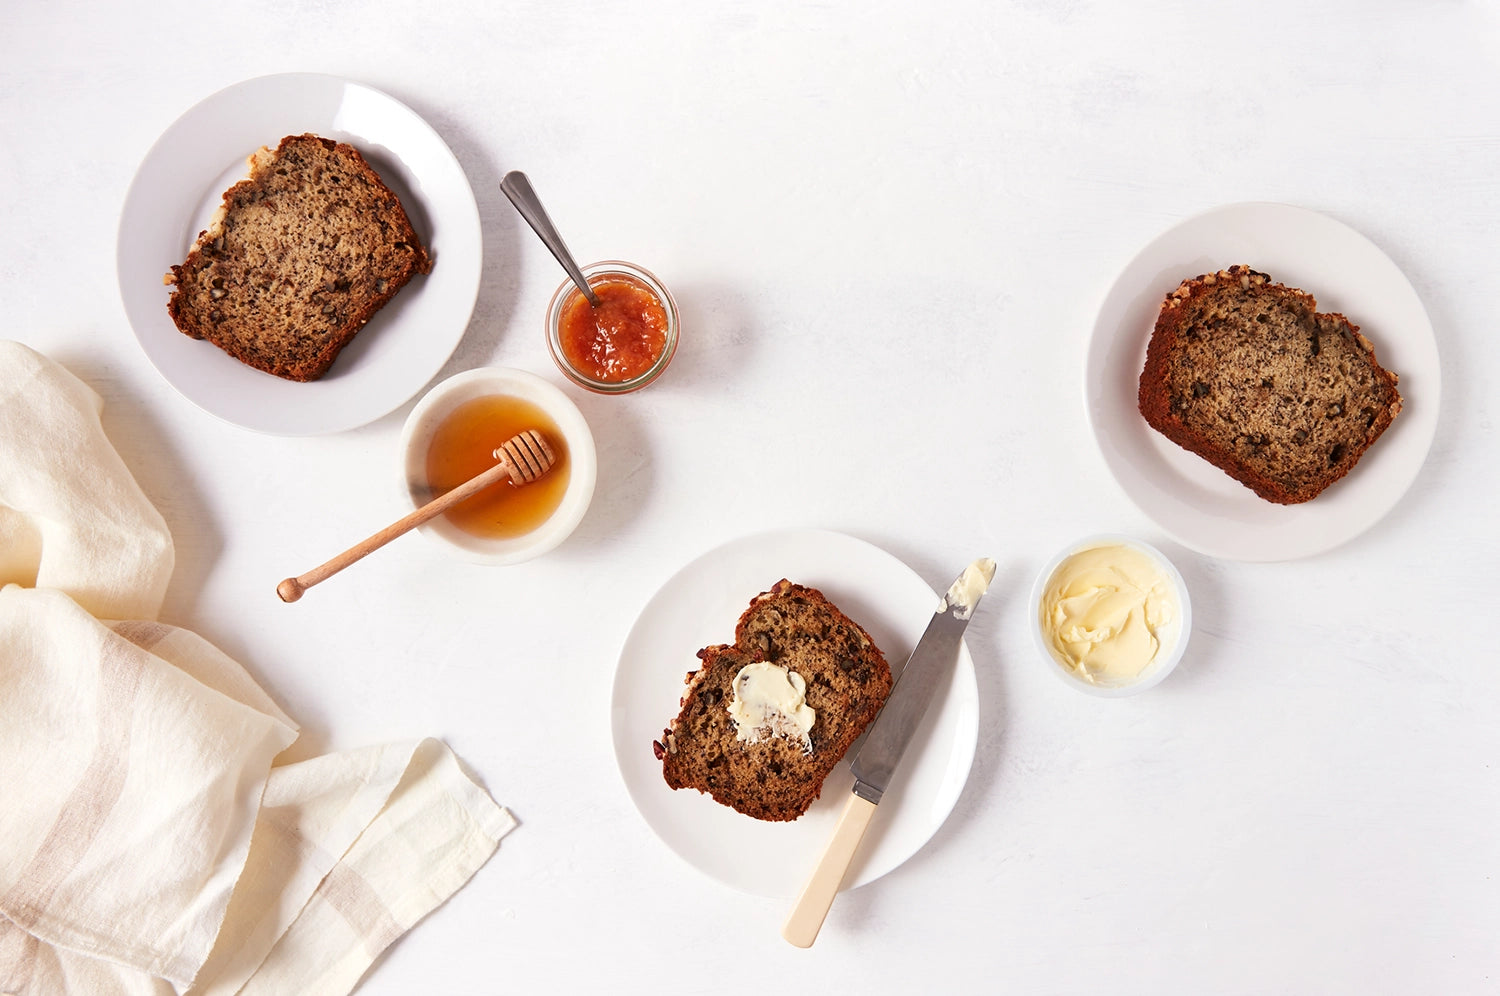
<point x="880" y="219"/>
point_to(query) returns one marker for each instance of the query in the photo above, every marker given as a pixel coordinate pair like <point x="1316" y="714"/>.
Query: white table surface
<point x="879" y="218"/>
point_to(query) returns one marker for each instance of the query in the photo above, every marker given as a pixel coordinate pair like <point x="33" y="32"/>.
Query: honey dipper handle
<point x="292" y="588"/>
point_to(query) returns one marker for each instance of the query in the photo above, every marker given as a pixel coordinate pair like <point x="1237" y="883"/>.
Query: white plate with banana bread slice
<point x="1201" y="506"/>
<point x="180" y="185"/>
<point x="698" y="607"/>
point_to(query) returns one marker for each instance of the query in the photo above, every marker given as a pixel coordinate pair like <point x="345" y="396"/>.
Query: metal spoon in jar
<point x="518" y="189"/>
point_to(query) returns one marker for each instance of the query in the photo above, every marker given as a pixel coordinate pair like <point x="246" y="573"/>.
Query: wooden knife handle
<point x="801" y="928"/>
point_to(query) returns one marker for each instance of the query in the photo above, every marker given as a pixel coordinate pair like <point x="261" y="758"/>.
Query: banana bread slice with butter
<point x="750" y="752"/>
<point x="1249" y="375"/>
<point x="297" y="259"/>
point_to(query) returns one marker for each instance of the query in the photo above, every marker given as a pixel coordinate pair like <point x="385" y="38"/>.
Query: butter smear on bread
<point x="771" y="701"/>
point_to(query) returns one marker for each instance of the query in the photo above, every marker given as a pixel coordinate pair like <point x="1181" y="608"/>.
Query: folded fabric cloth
<point x="149" y="843"/>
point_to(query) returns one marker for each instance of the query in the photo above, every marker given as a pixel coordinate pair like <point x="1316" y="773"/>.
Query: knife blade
<point x="875" y="763"/>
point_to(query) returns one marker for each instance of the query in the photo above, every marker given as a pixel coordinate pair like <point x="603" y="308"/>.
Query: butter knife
<point x="875" y="763"/>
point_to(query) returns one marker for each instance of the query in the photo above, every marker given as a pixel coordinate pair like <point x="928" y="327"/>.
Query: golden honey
<point x="463" y="446"/>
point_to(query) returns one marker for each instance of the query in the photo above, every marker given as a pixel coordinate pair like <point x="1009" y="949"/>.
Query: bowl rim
<point x="1162" y="666"/>
<point x="478" y="382"/>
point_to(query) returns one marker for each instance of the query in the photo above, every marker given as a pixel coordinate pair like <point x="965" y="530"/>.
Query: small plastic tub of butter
<point x="1111" y="615"/>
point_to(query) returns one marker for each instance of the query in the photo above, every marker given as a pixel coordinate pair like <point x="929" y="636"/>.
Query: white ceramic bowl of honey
<point x="450" y="437"/>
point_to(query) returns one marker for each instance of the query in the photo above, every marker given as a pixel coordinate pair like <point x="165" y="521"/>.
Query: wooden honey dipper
<point x="522" y="459"/>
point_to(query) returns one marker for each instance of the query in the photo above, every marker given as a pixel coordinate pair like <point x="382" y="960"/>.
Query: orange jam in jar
<point x="463" y="446"/>
<point x="621" y="338"/>
<point x="622" y="343"/>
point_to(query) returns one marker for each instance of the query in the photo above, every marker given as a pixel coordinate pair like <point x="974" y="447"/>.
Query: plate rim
<point x="1118" y="298"/>
<point x="471" y="219"/>
<point x="965" y="685"/>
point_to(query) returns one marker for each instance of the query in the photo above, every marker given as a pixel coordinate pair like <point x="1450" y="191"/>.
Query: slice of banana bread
<point x="776" y="777"/>
<point x="297" y="260"/>
<point x="1248" y="375"/>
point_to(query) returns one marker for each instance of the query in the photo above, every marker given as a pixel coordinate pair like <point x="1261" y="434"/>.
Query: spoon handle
<point x="519" y="190"/>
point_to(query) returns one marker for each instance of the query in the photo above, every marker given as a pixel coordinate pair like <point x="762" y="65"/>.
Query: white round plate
<point x="180" y="185"/>
<point x="698" y="607"/>
<point x="1198" y="504"/>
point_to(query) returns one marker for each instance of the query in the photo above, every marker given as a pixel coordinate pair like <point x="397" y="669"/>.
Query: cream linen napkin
<point x="147" y="842"/>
